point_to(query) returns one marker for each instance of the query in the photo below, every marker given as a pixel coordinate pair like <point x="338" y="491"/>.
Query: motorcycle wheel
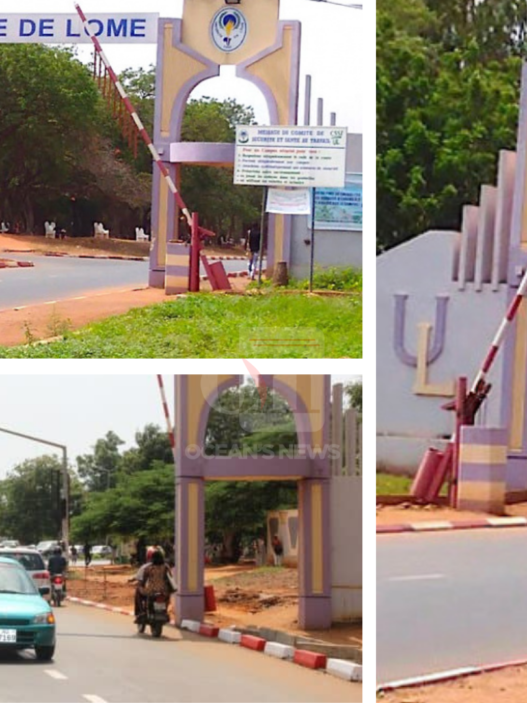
<point x="157" y="629"/>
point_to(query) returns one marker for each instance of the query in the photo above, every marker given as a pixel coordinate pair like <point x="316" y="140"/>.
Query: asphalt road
<point x="60" y="278"/>
<point x="99" y="657"/>
<point x="449" y="600"/>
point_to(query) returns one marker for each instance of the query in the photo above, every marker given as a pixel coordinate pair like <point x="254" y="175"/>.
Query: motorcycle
<point x="57" y="589"/>
<point x="155" y="614"/>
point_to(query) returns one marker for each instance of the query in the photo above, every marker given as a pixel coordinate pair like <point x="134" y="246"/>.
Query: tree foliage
<point x="447" y="101"/>
<point x="30" y="507"/>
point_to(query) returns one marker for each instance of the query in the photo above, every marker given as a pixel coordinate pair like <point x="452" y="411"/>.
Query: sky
<point x="329" y="34"/>
<point x="79" y="410"/>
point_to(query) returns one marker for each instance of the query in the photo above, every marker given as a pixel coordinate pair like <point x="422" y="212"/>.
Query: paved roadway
<point x="451" y="599"/>
<point x="58" y="278"/>
<point x="100" y="658"/>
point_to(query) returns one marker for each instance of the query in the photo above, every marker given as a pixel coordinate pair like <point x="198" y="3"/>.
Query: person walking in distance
<point x="87" y="554"/>
<point x="278" y="550"/>
<point x="253" y="244"/>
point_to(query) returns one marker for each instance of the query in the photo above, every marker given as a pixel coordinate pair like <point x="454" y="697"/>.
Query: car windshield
<point x="14" y="580"/>
<point x="31" y="562"/>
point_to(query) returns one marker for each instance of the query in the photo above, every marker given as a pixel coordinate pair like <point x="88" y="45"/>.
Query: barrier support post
<point x="194" y="255"/>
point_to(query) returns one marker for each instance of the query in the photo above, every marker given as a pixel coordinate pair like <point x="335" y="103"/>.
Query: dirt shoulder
<point x="507" y="686"/>
<point x="44" y="321"/>
<point x="86" y="246"/>
<point x="406" y="513"/>
<point x="244" y="597"/>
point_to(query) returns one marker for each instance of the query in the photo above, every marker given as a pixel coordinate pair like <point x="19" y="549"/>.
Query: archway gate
<point x="309" y="400"/>
<point x="212" y="33"/>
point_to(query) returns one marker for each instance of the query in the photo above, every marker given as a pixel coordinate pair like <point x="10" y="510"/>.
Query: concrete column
<point x="482" y="469"/>
<point x="190" y="546"/>
<point x="314" y="573"/>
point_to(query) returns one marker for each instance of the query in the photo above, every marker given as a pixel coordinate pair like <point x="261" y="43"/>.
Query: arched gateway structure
<point x="309" y="400"/>
<point x="211" y="34"/>
<point x="247" y="34"/>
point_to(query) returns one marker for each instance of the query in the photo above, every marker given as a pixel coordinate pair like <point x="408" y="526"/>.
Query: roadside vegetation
<point x="218" y="326"/>
<point x="389" y="484"/>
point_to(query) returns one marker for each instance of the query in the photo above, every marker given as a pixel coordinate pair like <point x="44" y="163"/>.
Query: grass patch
<point x="388" y="485"/>
<point x="211" y="326"/>
<point x="333" y="278"/>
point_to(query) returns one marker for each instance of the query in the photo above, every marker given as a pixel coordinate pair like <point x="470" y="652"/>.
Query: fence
<point x="346" y="436"/>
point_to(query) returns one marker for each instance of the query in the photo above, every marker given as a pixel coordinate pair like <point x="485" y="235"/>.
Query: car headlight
<point x="44" y="619"/>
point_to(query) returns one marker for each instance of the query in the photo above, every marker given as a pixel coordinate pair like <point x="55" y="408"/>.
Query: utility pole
<point x="64" y="492"/>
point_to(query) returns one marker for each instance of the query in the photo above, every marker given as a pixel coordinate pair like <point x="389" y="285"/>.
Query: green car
<point x="26" y="619"/>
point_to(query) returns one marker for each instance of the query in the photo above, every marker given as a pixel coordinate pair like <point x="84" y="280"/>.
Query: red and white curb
<point x="342" y="668"/>
<point x="65" y="254"/>
<point x="444" y="676"/>
<point x="438" y="525"/>
<point x="226" y="258"/>
<point x="11" y="264"/>
<point x="232" y="274"/>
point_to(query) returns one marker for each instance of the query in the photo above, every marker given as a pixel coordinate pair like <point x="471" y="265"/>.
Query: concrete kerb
<point x="341" y="668"/>
<point x="436" y="526"/>
<point x="12" y="264"/>
<point x="451" y="675"/>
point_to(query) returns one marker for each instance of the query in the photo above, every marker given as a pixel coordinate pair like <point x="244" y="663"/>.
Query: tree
<point x="236" y="510"/>
<point x="141" y="504"/>
<point x="98" y="470"/>
<point x="240" y="412"/>
<point x="354" y="393"/>
<point x="152" y="445"/>
<point x="443" y="113"/>
<point x="30" y="509"/>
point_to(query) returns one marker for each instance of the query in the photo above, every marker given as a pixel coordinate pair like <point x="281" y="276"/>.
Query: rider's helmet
<point x="57" y="551"/>
<point x="158" y="557"/>
<point x="150" y="553"/>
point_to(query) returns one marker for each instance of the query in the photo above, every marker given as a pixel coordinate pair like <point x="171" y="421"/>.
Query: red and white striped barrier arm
<point x="142" y="131"/>
<point x="170" y="429"/>
<point x="500" y="334"/>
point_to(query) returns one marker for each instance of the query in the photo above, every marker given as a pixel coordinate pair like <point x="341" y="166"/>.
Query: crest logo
<point x="228" y="30"/>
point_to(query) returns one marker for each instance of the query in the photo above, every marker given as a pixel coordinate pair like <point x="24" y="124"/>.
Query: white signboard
<point x="290" y="156"/>
<point x="289" y="201"/>
<point x="54" y="28"/>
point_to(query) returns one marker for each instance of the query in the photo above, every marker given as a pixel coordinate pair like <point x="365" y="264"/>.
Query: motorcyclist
<point x="57" y="565"/>
<point x="151" y="578"/>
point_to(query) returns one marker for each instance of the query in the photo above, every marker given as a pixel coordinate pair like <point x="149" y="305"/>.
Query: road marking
<point x="55" y="674"/>
<point x="93" y="699"/>
<point x="417" y="577"/>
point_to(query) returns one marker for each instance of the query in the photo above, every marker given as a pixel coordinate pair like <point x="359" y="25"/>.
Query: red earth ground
<point x="244" y="596"/>
<point x="46" y="321"/>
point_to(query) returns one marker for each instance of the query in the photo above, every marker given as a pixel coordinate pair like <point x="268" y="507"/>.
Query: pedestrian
<point x="87" y="553"/>
<point x="73" y="551"/>
<point x="253" y="244"/>
<point x="278" y="550"/>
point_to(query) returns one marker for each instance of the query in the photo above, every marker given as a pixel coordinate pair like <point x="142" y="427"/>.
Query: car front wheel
<point x="45" y="654"/>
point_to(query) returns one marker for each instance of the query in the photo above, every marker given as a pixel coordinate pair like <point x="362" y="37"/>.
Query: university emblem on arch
<point x="228" y="29"/>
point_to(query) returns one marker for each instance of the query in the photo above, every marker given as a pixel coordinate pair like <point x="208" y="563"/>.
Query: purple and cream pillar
<point x="314" y="578"/>
<point x="482" y="469"/>
<point x="190" y="507"/>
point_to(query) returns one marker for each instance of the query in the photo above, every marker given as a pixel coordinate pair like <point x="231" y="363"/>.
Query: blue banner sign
<point x="67" y="29"/>
<point x="340" y="208"/>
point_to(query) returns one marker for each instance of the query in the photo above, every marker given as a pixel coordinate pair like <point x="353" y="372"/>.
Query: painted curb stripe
<point x="455" y="525"/>
<point x="451" y="675"/>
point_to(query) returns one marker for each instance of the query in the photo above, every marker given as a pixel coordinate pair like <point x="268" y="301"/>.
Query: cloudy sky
<point x="333" y="42"/>
<point x="78" y="410"/>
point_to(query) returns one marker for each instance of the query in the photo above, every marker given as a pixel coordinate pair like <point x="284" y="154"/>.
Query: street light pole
<point x="64" y="493"/>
